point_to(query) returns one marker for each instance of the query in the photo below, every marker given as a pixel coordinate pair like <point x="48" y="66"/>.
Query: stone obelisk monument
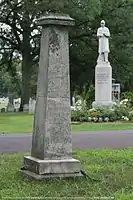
<point x="51" y="154"/>
<point x="103" y="71"/>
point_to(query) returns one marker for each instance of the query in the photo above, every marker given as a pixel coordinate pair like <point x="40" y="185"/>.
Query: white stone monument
<point x="103" y="71"/>
<point x="51" y="154"/>
<point x="32" y="104"/>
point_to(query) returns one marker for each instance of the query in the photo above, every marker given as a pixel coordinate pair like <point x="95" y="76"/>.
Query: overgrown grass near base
<point x="23" y="123"/>
<point x="114" y="169"/>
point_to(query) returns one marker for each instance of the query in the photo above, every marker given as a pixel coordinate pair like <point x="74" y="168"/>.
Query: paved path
<point x="11" y="143"/>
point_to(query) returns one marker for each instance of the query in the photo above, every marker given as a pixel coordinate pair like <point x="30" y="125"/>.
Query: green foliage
<point x="120" y="113"/>
<point x="90" y="96"/>
<point x="104" y="114"/>
<point x="18" y="38"/>
<point x="8" y="85"/>
<point x="80" y="115"/>
<point x="112" y="167"/>
<point x="131" y="115"/>
<point x="109" y="113"/>
<point x="129" y="96"/>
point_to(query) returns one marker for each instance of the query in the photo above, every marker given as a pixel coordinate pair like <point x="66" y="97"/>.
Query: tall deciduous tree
<point x="20" y="36"/>
<point x="17" y="34"/>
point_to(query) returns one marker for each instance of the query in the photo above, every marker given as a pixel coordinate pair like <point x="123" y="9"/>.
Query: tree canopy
<point x="20" y="39"/>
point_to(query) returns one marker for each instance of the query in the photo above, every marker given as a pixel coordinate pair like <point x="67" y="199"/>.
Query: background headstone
<point x="32" y="104"/>
<point x="10" y="107"/>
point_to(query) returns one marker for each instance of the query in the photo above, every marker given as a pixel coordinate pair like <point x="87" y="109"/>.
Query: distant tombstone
<point x="17" y="103"/>
<point x="10" y="106"/>
<point x="32" y="106"/>
<point x="26" y="108"/>
<point x="73" y="100"/>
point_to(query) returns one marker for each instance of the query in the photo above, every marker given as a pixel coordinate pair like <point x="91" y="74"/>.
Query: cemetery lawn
<point x="112" y="169"/>
<point x="23" y="123"/>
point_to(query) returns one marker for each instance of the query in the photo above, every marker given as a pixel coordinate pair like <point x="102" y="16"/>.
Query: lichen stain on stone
<point x="53" y="41"/>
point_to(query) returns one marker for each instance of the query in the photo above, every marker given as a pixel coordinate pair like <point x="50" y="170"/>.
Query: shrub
<point x="79" y="115"/>
<point x="120" y="111"/>
<point x="131" y="116"/>
<point x="129" y="97"/>
<point x="108" y="113"/>
<point x="94" y="113"/>
<point x="80" y="104"/>
<point x="90" y="96"/>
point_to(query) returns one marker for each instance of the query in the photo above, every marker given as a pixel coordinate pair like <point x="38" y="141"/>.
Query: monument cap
<point x="56" y="19"/>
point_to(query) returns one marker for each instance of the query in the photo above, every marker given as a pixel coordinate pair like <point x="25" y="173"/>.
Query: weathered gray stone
<point x="103" y="105"/>
<point x="52" y="139"/>
<point x="42" y="167"/>
<point x="56" y="19"/>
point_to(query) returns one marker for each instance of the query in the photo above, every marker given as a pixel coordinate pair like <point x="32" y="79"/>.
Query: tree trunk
<point x="26" y="69"/>
<point x="27" y="58"/>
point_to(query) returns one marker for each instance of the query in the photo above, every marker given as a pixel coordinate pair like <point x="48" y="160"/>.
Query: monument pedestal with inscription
<point x="51" y="154"/>
<point x="103" y="86"/>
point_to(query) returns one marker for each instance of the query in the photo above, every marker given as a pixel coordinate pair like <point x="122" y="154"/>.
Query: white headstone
<point x="32" y="104"/>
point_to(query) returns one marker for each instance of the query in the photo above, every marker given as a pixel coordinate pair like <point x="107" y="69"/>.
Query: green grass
<point x="23" y="123"/>
<point x="103" y="126"/>
<point x="114" y="169"/>
<point x="16" y="123"/>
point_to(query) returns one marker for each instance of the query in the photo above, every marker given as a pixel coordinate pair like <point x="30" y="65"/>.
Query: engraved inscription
<point x="54" y="41"/>
<point x="102" y="78"/>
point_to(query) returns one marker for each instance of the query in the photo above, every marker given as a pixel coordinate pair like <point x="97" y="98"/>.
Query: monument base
<point x="103" y="105"/>
<point x="45" y="169"/>
<point x="35" y="176"/>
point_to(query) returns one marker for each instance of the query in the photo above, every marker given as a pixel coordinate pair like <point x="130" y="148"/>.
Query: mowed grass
<point x="112" y="169"/>
<point x="23" y="123"/>
<point x="16" y="123"/>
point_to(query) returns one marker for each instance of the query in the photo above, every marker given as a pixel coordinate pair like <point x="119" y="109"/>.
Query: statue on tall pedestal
<point x="103" y="34"/>
<point x="103" y="71"/>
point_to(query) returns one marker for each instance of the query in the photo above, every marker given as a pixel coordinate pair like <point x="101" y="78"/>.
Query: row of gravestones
<point x="5" y="106"/>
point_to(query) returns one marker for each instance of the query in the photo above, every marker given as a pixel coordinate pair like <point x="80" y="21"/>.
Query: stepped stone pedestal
<point x="103" y="86"/>
<point x="51" y="153"/>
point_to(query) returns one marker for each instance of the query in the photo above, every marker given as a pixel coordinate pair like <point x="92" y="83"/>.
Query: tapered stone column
<point x="51" y="154"/>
